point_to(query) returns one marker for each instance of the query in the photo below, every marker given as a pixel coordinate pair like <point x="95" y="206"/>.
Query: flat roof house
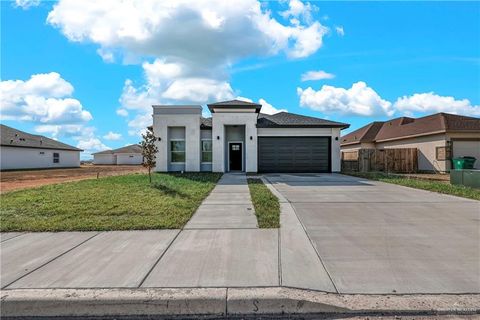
<point x="22" y="150"/>
<point x="437" y="137"/>
<point x="128" y="155"/>
<point x="238" y="137"/>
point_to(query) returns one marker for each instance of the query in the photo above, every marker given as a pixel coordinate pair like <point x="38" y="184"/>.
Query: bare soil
<point x="23" y="179"/>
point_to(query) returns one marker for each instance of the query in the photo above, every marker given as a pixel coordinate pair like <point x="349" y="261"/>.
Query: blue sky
<point x="86" y="73"/>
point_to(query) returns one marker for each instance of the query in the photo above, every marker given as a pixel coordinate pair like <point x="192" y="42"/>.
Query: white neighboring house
<point x="238" y="137"/>
<point x="128" y="155"/>
<point x="21" y="150"/>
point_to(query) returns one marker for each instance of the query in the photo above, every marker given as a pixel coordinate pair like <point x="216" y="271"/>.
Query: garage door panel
<point x="294" y="154"/>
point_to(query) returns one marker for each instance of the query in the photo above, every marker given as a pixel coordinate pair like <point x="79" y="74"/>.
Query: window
<point x="56" y="157"/>
<point x="206" y="150"/>
<point x="41" y="152"/>
<point x="177" y="150"/>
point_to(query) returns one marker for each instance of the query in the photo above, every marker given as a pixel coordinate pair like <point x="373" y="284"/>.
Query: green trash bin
<point x="463" y="163"/>
<point x="468" y="162"/>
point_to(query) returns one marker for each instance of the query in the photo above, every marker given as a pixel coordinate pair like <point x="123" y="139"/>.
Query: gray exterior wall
<point x="12" y="158"/>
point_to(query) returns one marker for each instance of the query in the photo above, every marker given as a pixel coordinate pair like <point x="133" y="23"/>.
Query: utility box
<point x="468" y="178"/>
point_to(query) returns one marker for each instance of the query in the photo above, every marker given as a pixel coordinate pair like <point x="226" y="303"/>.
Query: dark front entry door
<point x="235" y="156"/>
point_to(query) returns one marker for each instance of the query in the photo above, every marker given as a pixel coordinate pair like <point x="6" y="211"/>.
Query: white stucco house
<point x="238" y="137"/>
<point x="22" y="150"/>
<point x="128" y="155"/>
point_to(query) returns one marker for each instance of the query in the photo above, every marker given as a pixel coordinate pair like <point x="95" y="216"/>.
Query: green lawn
<point x="267" y="207"/>
<point x="126" y="202"/>
<point x="437" y="186"/>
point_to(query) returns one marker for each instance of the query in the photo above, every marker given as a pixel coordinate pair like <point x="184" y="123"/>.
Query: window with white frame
<point x="206" y="150"/>
<point x="56" y="157"/>
<point x="177" y="150"/>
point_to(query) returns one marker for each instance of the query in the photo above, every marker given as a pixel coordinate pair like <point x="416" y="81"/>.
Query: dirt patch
<point x="425" y="176"/>
<point x="16" y="180"/>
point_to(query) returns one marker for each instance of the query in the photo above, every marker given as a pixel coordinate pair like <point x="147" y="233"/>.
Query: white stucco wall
<point x="104" y="159"/>
<point x="129" y="158"/>
<point x="31" y="158"/>
<point x="310" y="132"/>
<point x="222" y="119"/>
<point x="178" y="116"/>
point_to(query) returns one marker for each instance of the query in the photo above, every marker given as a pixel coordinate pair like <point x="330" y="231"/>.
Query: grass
<point x="267" y="207"/>
<point x="126" y="202"/>
<point x="430" y="185"/>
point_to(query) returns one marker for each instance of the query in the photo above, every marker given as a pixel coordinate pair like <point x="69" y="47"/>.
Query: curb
<point x="223" y="302"/>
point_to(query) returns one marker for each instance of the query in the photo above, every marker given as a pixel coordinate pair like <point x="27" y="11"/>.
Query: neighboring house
<point x="21" y="150"/>
<point x="438" y="138"/>
<point x="131" y="154"/>
<point x="239" y="138"/>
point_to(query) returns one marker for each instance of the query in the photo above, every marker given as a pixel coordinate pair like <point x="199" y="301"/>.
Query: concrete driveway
<point x="374" y="237"/>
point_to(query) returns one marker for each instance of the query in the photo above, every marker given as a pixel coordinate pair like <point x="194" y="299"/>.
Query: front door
<point x="235" y="156"/>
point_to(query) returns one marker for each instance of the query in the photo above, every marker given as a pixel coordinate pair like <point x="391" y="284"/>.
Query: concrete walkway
<point x="228" y="206"/>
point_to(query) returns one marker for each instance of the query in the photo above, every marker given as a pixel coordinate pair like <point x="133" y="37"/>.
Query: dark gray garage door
<point x="294" y="154"/>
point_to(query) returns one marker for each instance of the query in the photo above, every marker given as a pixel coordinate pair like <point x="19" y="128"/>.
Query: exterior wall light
<point x="336" y="138"/>
<point x="251" y="138"/>
<point x="218" y="137"/>
<point x="159" y="139"/>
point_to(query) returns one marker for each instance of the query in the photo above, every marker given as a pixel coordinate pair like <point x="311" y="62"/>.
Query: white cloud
<point x="112" y="136"/>
<point x="359" y="100"/>
<point x="198" y="90"/>
<point x="317" y="75"/>
<point x="267" y="108"/>
<point x="340" y="31"/>
<point x="433" y="103"/>
<point x="43" y="99"/>
<point x="122" y="112"/>
<point x="26" y="4"/>
<point x="207" y="32"/>
<point x="91" y="145"/>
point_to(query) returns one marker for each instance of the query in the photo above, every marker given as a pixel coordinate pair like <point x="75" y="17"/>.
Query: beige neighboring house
<point x="438" y="138"/>
<point x="128" y="155"/>
<point x="22" y="150"/>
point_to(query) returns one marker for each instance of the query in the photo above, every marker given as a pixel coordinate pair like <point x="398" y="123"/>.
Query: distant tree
<point x="149" y="151"/>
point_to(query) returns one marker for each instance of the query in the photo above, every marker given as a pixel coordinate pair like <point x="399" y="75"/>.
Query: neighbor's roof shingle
<point x="405" y="127"/>
<point x="133" y="148"/>
<point x="15" y="138"/>
<point x="286" y="119"/>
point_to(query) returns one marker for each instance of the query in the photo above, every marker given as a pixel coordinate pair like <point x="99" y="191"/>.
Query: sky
<point x="87" y="72"/>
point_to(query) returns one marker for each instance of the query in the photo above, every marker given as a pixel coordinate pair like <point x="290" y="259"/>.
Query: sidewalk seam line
<point x="159" y="258"/>
<point x="18" y="235"/>
<point x="51" y="260"/>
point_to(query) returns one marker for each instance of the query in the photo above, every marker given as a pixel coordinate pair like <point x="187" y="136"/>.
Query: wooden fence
<point x="387" y="160"/>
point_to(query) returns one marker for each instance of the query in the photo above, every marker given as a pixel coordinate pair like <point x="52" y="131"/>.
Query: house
<point x="127" y="155"/>
<point x="437" y="137"/>
<point x="238" y="137"/>
<point x="21" y="150"/>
